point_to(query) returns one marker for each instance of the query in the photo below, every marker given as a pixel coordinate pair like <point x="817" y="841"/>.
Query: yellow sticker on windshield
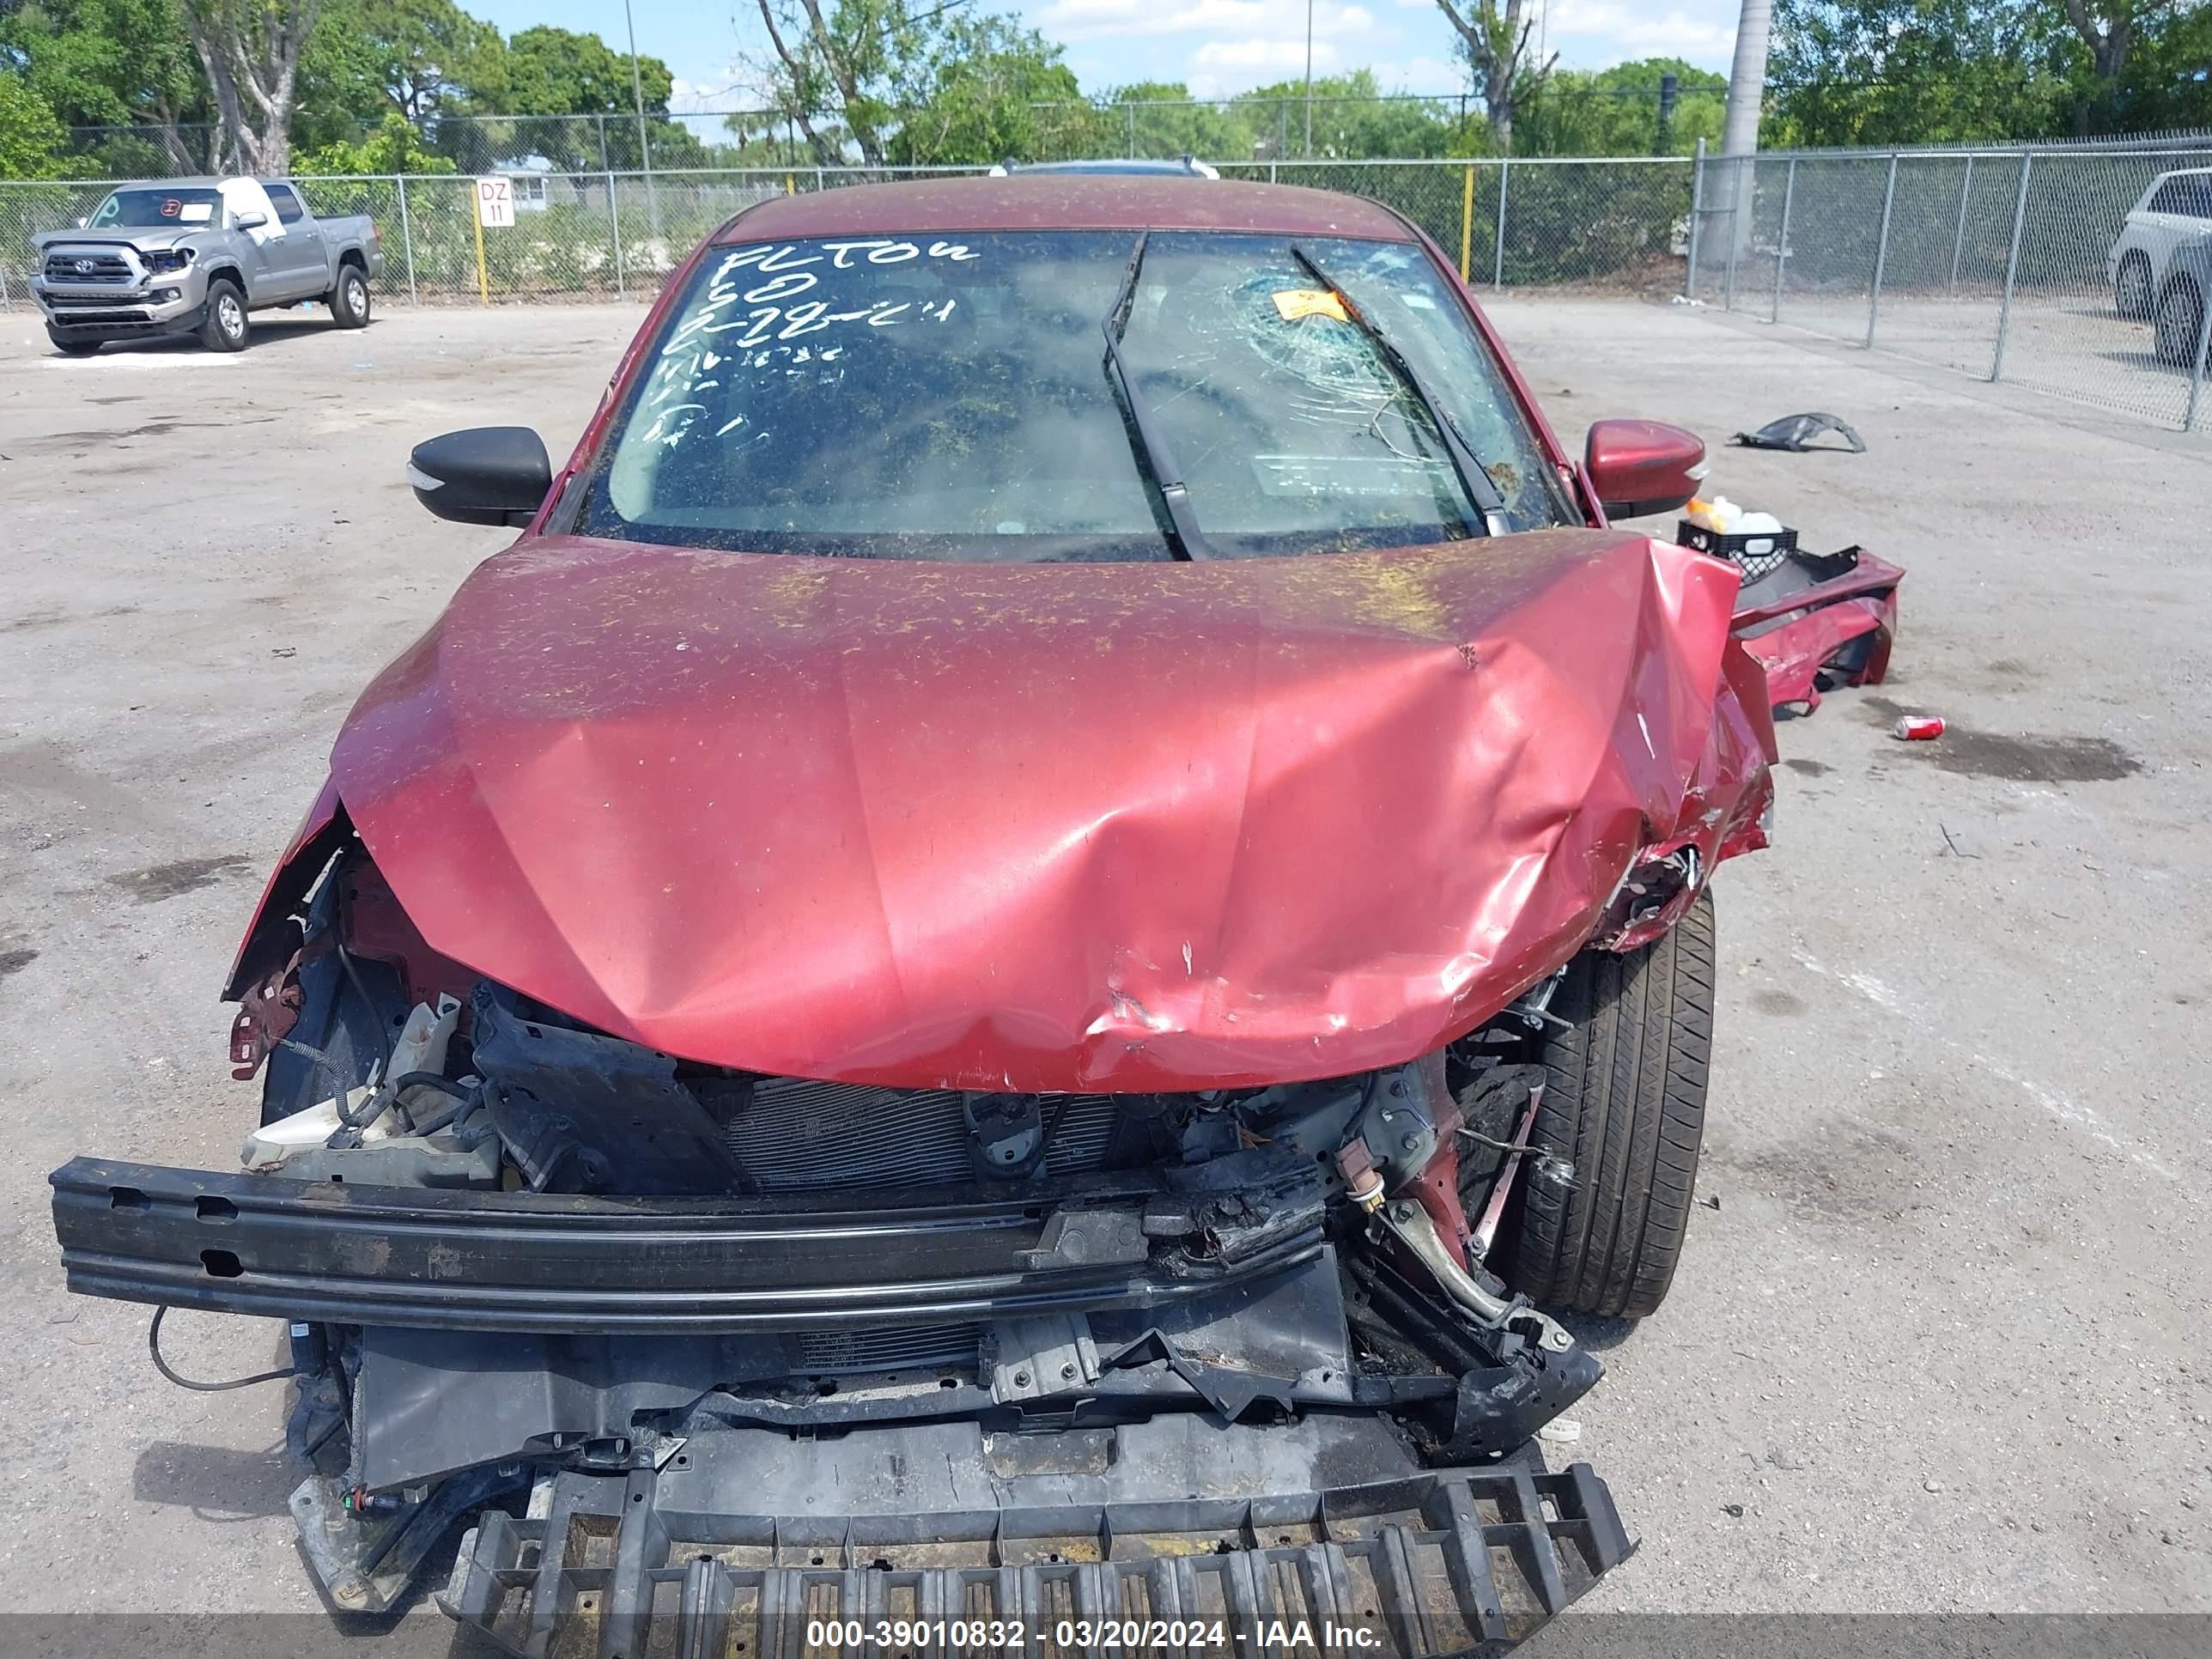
<point x="1293" y="303"/>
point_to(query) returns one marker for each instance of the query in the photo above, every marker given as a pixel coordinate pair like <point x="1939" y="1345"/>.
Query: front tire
<point x="70" y="346"/>
<point x="349" y="301"/>
<point x="1624" y="1099"/>
<point x="2131" y="290"/>
<point x="224" y="327"/>
<point x="2180" y="319"/>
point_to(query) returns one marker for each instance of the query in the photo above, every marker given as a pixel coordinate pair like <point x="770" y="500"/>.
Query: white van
<point x="2175" y="209"/>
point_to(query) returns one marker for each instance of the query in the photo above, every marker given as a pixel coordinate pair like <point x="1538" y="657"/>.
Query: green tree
<point x="423" y="58"/>
<point x="2166" y="82"/>
<point x="836" y="69"/>
<point x="249" y="51"/>
<point x="1615" y="112"/>
<point x="114" y="63"/>
<point x="1351" y="119"/>
<point x="551" y="74"/>
<point x="555" y="72"/>
<point x="1898" y="72"/>
<point x="982" y="89"/>
<point x="1159" y="118"/>
<point x="394" y="147"/>
<point x="31" y="140"/>
<point x="1494" y="39"/>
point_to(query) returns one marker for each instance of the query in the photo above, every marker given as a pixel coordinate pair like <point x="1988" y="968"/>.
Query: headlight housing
<point x="168" y="259"/>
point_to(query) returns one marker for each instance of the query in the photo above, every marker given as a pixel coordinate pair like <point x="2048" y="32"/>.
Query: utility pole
<point x="1740" y="131"/>
<point x="1669" y="83"/>
<point x="1309" y="6"/>
<point x="644" y="146"/>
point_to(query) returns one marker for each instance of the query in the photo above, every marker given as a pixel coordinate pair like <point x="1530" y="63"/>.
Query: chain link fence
<point x="1239" y="129"/>
<point x="2080" y="273"/>
<point x="1613" y="226"/>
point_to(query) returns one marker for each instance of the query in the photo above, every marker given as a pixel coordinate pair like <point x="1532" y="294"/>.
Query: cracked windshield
<point x="942" y="397"/>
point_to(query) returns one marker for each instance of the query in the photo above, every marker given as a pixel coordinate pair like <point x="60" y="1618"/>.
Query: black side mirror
<point x="486" y="475"/>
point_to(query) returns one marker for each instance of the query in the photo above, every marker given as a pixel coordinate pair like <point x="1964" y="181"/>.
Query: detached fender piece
<point x="1836" y="612"/>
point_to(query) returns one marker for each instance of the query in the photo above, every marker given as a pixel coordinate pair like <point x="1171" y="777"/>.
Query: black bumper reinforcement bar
<point x="520" y="1261"/>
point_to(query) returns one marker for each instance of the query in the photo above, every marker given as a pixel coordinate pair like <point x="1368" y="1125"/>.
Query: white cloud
<point x="1263" y="55"/>
<point x="1597" y="33"/>
<point x="1083" y="20"/>
<point x="1221" y="68"/>
<point x="1429" y="76"/>
<point x="1225" y="46"/>
<point x="735" y="86"/>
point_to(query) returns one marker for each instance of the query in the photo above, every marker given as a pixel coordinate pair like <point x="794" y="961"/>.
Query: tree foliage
<point x="30" y="138"/>
<point x="1615" y="112"/>
<point x="1494" y="39"/>
<point x="1898" y="72"/>
<point x="1351" y="118"/>
<point x="985" y="89"/>
<point x="123" y="66"/>
<point x="395" y="147"/>
<point x="250" y="52"/>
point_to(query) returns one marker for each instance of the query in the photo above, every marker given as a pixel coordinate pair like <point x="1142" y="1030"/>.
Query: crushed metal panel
<point x="1832" y="613"/>
<point x="687" y="798"/>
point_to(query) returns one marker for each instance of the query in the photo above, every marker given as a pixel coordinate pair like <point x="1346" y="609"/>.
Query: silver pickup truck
<point x="181" y="255"/>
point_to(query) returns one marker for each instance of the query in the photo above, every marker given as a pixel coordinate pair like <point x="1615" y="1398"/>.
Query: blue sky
<point x="1217" y="46"/>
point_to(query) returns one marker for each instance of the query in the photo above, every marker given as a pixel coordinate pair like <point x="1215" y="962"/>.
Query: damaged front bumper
<point x="424" y="1259"/>
<point x="1816" y="616"/>
<point x="92" y="313"/>
<point x="1136" y="1396"/>
<point x="1178" y="1531"/>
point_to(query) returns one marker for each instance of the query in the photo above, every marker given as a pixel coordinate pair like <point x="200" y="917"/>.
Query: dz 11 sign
<point x="495" y="203"/>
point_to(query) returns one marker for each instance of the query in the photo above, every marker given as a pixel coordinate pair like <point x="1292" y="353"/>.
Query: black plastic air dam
<point x="519" y="1261"/>
<point x="1183" y="1534"/>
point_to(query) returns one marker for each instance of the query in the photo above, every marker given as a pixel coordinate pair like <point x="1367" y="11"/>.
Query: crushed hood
<point x="1120" y="827"/>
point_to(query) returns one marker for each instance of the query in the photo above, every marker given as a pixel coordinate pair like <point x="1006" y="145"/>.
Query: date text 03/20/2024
<point x="1269" y="1636"/>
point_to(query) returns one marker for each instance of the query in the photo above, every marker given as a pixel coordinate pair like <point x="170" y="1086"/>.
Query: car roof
<point x="199" y="181"/>
<point x="1065" y="201"/>
<point x="1137" y="166"/>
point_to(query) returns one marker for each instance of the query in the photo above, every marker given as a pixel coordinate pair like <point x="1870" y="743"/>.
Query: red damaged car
<point x="997" y="985"/>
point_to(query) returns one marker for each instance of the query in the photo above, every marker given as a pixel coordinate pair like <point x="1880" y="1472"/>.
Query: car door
<point x="2169" y="223"/>
<point x="300" y="262"/>
<point x="255" y="244"/>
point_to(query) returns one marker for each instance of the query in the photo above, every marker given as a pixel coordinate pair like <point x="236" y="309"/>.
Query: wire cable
<point x="154" y="1348"/>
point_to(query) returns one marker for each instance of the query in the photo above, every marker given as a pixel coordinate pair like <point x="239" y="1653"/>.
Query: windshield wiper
<point x="1153" y="450"/>
<point x="1481" y="488"/>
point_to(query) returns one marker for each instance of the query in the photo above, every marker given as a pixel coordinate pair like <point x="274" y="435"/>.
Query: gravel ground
<point x="1938" y="1343"/>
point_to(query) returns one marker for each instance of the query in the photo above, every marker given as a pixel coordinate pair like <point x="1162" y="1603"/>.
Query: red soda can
<point x="1917" y="728"/>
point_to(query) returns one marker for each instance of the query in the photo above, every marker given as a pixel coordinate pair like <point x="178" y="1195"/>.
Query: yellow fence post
<point x="1466" y="221"/>
<point x="476" y="214"/>
<point x="790" y="186"/>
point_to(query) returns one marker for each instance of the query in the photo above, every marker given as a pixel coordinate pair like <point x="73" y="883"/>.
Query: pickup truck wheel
<point x="1625" y="1099"/>
<point x="224" y="328"/>
<point x="70" y="346"/>
<point x="349" y="301"/>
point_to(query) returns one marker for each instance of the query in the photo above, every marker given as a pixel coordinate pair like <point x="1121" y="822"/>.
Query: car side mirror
<point x="1639" y="467"/>
<point x="495" y="475"/>
<point x="251" y="221"/>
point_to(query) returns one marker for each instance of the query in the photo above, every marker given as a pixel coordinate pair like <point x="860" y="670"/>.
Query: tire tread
<point x="1625" y="1099"/>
